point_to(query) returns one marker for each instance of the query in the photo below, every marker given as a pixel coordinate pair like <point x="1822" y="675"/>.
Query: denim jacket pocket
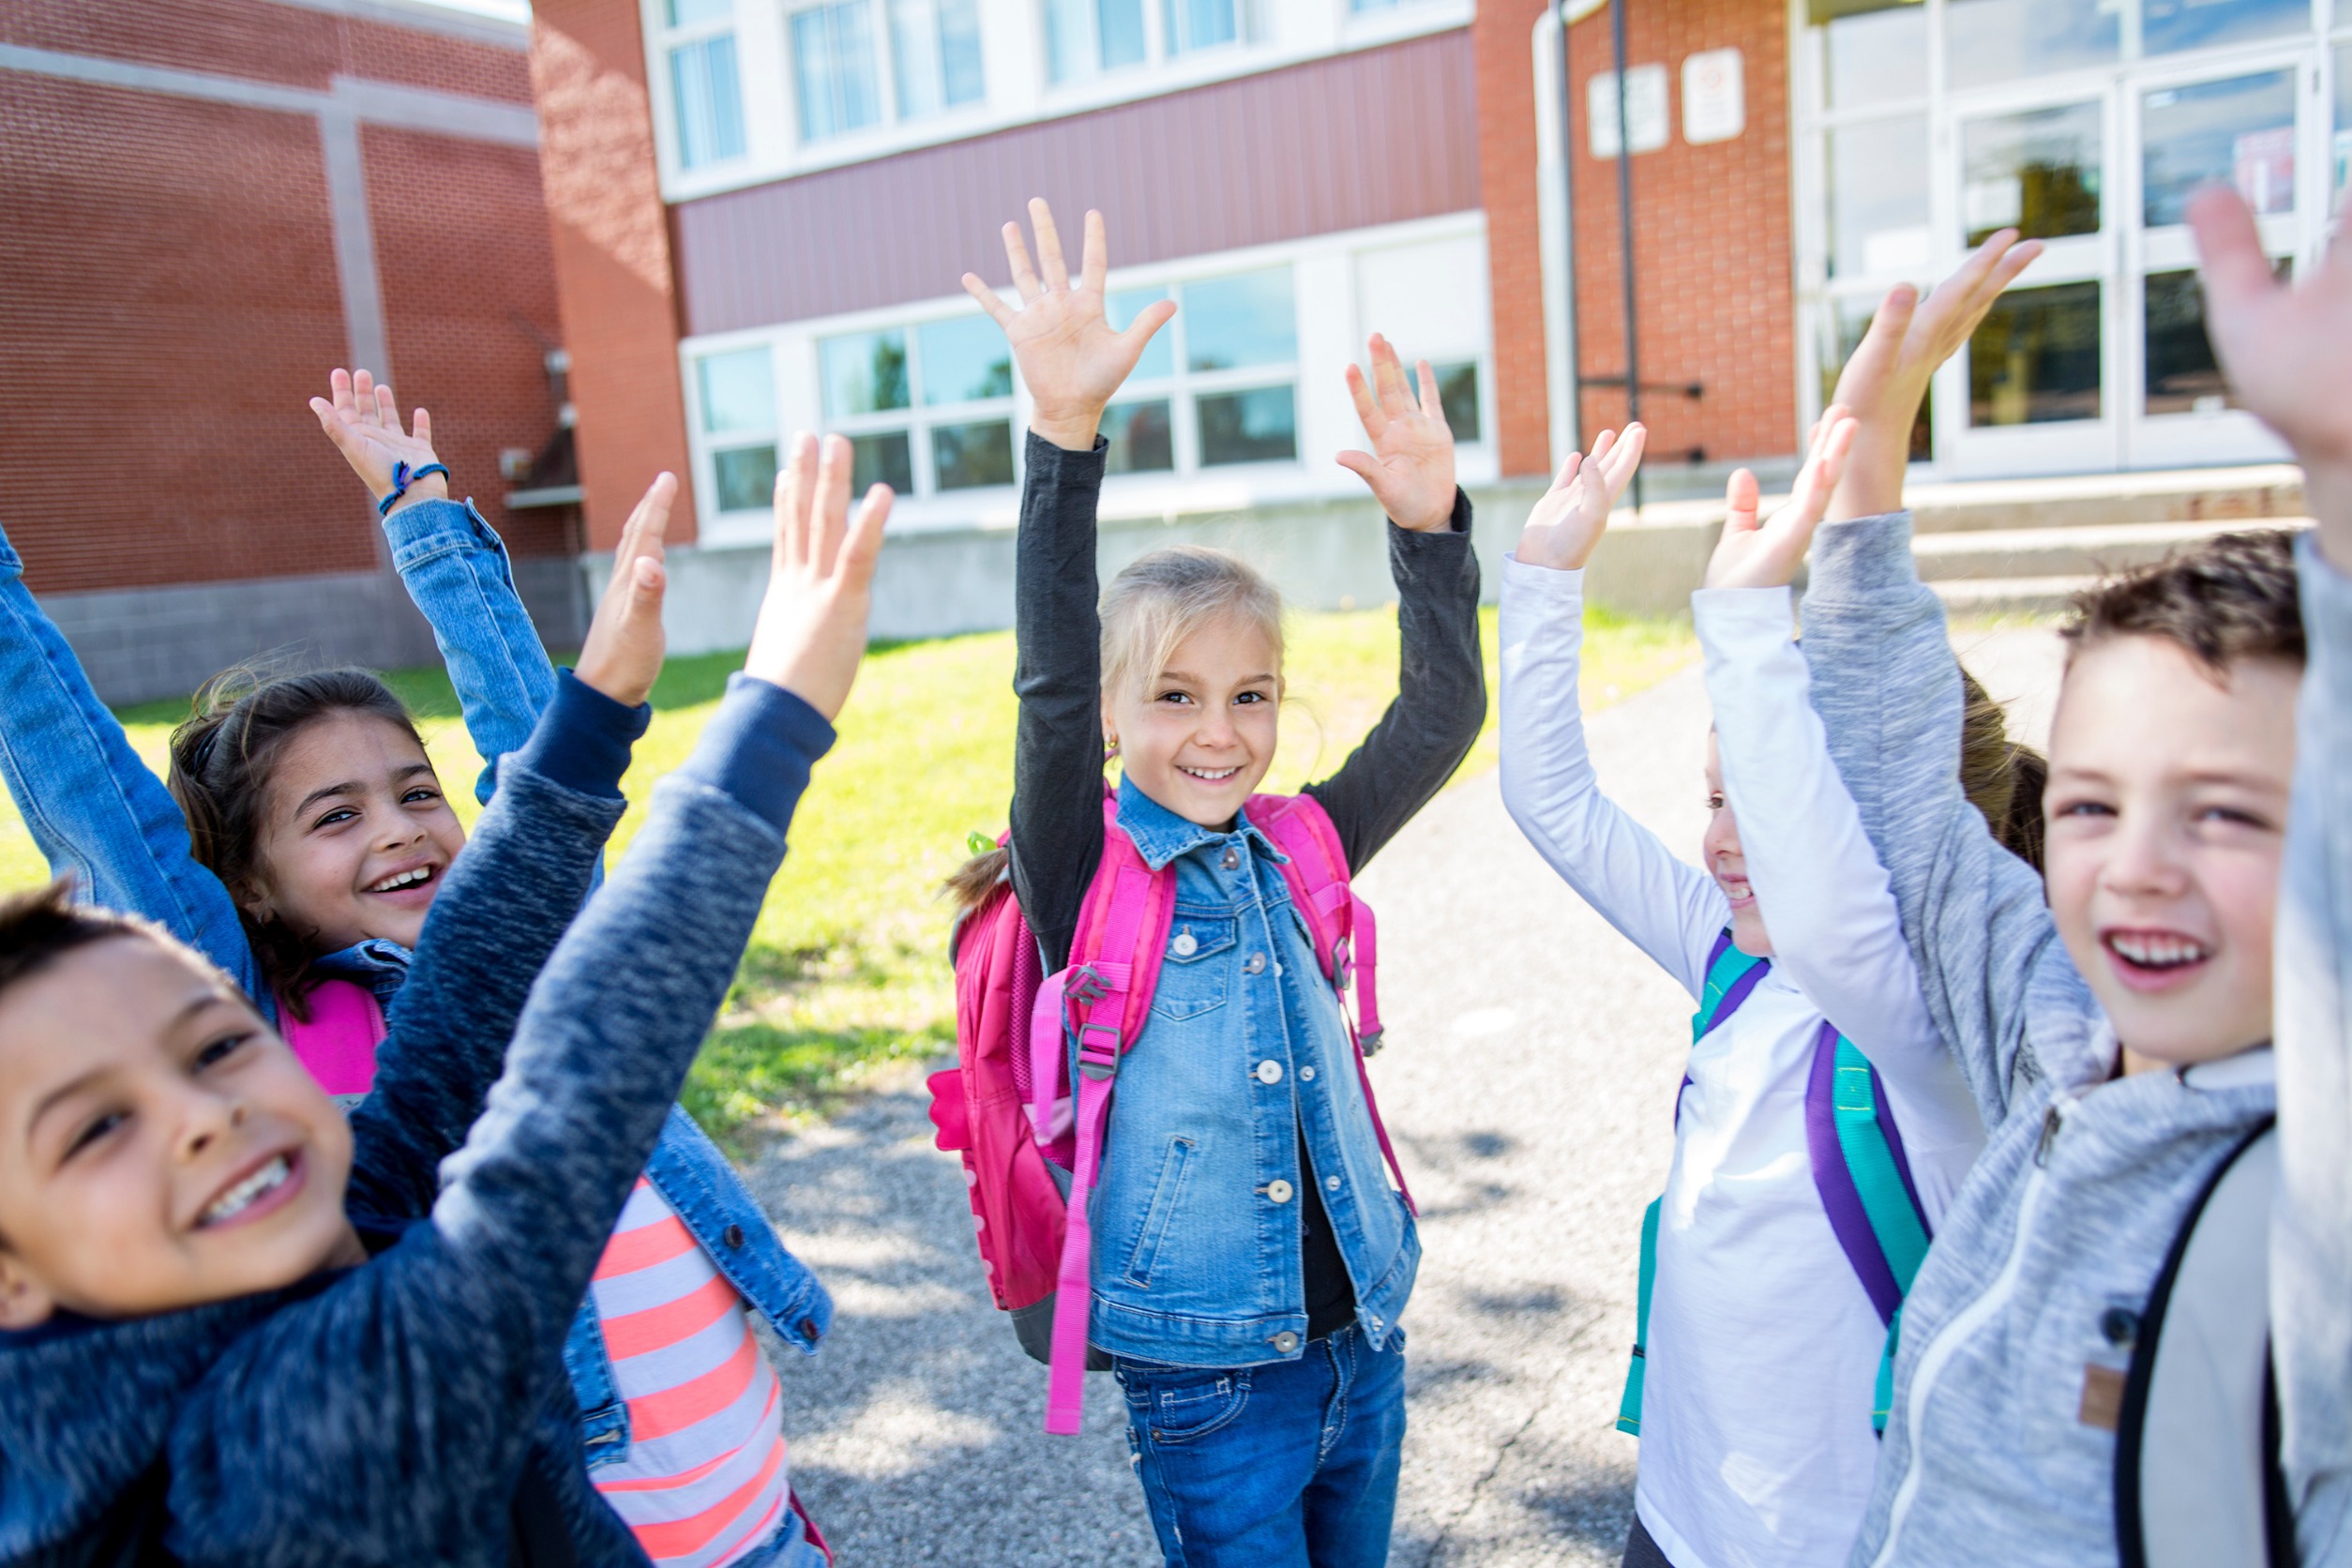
<point x="697" y="1182"/>
<point x="1166" y="1198"/>
<point x="604" y="1415"/>
<point x="1181" y="1406"/>
<point x="1197" y="970"/>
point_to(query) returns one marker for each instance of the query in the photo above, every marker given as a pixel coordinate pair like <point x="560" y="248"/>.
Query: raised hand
<point x="1568" y="523"/>
<point x="362" y="421"/>
<point x="1753" y="554"/>
<point x="625" y="644"/>
<point x="811" y="631"/>
<point x="1887" y="377"/>
<point x="1070" y="359"/>
<point x="1411" y="466"/>
<point x="2287" y="351"/>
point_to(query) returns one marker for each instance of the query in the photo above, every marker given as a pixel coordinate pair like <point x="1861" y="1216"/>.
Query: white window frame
<point x="1324" y="297"/>
<point x="661" y="39"/>
<point x="1013" y="66"/>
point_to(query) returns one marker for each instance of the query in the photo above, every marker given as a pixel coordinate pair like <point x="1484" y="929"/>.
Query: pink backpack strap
<point x="1114" y="965"/>
<point x="1347" y="938"/>
<point x="337" y="1044"/>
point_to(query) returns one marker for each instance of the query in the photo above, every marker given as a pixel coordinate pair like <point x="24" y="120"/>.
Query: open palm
<point x="364" y="423"/>
<point x="1070" y="358"/>
<point x="1753" y="554"/>
<point x="1567" y="523"/>
<point x="1411" y="466"/>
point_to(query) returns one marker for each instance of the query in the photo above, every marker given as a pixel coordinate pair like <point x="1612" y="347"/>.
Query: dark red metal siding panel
<point x="1381" y="136"/>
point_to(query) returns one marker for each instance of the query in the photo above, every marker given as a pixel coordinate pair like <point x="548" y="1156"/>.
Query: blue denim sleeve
<point x="455" y="568"/>
<point x="91" y="804"/>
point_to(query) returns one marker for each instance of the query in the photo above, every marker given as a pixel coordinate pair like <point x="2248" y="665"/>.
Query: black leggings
<point x="1641" y="1551"/>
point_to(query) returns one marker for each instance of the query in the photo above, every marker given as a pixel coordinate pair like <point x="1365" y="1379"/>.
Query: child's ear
<point x="24" y="1301"/>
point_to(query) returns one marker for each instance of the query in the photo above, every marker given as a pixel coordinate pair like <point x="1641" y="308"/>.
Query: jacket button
<point x="1256" y="964"/>
<point x="732" y="1236"/>
<point x="1279" y="1190"/>
<point x="1332" y="1182"/>
<point x="1270" y="1071"/>
<point x="809" y="1330"/>
<point x="1185" y="944"/>
<point x="1285" y="1342"/>
<point x="1306" y="1075"/>
<point x="1233" y="861"/>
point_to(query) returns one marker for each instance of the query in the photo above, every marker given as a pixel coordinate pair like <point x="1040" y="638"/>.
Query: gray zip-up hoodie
<point x="2031" y="1297"/>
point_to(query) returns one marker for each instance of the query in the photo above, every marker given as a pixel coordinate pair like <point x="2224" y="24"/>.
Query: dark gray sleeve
<point x="1058" y="746"/>
<point x="1440" y="692"/>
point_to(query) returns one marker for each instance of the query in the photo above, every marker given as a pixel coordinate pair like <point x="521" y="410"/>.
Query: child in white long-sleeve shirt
<point x="1779" y="1256"/>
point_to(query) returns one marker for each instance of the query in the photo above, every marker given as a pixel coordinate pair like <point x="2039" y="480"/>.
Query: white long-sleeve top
<point x="1763" y="1347"/>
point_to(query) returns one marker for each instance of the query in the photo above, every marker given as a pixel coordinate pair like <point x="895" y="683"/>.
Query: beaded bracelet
<point x="403" y="476"/>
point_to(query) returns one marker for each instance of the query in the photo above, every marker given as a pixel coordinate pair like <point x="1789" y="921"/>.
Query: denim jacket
<point x="95" y="809"/>
<point x="1196" y="1220"/>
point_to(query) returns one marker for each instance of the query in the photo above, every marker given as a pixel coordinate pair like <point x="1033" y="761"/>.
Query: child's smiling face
<point x="2167" y="820"/>
<point x="159" y="1145"/>
<point x="1728" y="864"/>
<point x="356" y="835"/>
<point x="1198" y="735"/>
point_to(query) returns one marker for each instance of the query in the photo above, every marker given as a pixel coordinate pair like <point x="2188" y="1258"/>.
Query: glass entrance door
<point x="2086" y="124"/>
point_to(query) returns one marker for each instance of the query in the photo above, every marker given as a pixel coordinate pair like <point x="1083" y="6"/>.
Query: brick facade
<point x="1714" y="285"/>
<point x="183" y="261"/>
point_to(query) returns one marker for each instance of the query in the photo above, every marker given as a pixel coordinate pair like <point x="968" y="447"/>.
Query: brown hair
<point x="221" y="759"/>
<point x="2002" y="779"/>
<point x="42" y="925"/>
<point x="2227" y="598"/>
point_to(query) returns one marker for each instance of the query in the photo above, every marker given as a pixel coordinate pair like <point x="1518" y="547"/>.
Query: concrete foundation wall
<point x="142" y="643"/>
<point x="1323" y="555"/>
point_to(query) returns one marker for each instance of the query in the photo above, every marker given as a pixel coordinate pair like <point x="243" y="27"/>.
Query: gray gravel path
<point x="1534" y="1057"/>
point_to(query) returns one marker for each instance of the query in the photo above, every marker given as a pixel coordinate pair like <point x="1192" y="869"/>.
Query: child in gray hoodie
<point x="2114" y="1023"/>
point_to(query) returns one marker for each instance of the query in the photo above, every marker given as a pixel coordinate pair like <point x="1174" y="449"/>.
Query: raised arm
<point x="2288" y="352"/>
<point x="1071" y="362"/>
<point x="1668" y="909"/>
<point x="1836" y="929"/>
<point x="613" y="1025"/>
<point x="1440" y="700"/>
<point x="92" y="806"/>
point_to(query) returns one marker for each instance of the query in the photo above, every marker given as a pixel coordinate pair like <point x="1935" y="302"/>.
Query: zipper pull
<point x="2050" y="1120"/>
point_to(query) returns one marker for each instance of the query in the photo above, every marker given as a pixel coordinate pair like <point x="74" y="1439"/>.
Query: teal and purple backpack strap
<point x="1865" y="1184"/>
<point x="1731" y="974"/>
<point x="1114" y="964"/>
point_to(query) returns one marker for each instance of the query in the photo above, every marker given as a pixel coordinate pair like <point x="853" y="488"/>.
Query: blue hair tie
<point x="403" y="476"/>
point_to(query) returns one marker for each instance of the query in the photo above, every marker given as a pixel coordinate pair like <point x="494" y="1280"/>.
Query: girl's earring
<point x="1110" y="749"/>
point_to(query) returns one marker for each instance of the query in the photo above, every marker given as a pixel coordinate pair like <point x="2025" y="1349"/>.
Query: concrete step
<point x="2094" y="500"/>
<point x="2010" y="596"/>
<point x="2063" y="551"/>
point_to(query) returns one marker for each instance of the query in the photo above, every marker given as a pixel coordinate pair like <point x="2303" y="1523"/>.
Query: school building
<point x="762" y="209"/>
<point x="204" y="206"/>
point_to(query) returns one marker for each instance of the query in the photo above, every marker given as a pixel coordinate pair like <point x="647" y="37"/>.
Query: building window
<point x="933" y="400"/>
<point x="929" y="54"/>
<point x="737" y="391"/>
<point x="1226" y="366"/>
<point x="705" y="94"/>
<point x="2342" y="147"/>
<point x="1087" y="38"/>
<point x="1203" y="23"/>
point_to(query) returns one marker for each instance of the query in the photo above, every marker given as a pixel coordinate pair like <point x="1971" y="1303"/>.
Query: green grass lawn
<point x="847" y="968"/>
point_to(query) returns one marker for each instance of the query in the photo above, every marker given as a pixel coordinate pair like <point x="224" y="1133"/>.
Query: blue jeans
<point x="1292" y="1464"/>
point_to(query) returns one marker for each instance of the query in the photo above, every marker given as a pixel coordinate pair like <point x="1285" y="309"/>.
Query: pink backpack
<point x="1008" y="1106"/>
<point x="337" y="1046"/>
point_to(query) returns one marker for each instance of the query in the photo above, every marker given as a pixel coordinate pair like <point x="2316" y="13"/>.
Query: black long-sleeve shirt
<point x="1057" y="817"/>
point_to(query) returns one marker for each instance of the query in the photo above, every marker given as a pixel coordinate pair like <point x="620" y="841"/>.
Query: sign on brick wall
<point x="1645" y="119"/>
<point x="1714" y="98"/>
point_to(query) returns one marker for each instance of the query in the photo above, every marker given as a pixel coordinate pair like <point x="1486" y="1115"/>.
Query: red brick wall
<point x="469" y="305"/>
<point x="612" y="266"/>
<point x="267" y="43"/>
<point x="170" y="297"/>
<point x="1714" y="288"/>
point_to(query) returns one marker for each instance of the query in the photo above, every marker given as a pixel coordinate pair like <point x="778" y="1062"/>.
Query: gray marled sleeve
<point x="1888" y="690"/>
<point x="2311" y="1252"/>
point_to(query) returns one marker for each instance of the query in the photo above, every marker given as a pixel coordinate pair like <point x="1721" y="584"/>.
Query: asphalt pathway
<point x="1533" y="1059"/>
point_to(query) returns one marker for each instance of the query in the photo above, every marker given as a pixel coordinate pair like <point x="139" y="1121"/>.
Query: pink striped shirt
<point x="705" y="1481"/>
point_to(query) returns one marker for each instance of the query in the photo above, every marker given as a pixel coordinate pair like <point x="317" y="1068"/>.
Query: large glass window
<point x="1878" y="202"/>
<point x="705" y="90"/>
<point x="2167" y="26"/>
<point x="2039" y="171"/>
<point x="944" y="386"/>
<point x="1204" y="23"/>
<point x="1873" y="51"/>
<point x="833" y="68"/>
<point x="1083" y="37"/>
<point x="2036" y="359"/>
<point x="1243" y="324"/>
<point x="1987" y="41"/>
<point x="737" y="391"/>
<point x="935" y="55"/>
<point x="2241" y="130"/>
<point x="2184" y="376"/>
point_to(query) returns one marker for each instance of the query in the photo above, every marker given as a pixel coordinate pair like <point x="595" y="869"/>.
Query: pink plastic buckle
<point x="1098" y="1060"/>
